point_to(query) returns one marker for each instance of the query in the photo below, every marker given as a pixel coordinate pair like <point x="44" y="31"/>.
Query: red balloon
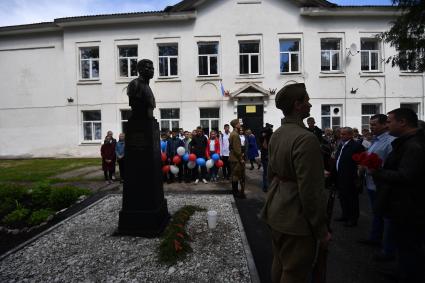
<point x="219" y="163"/>
<point x="177" y="160"/>
<point x="163" y="156"/>
<point x="165" y="169"/>
<point x="192" y="157"/>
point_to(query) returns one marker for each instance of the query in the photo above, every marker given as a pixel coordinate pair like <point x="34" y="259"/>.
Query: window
<point x="408" y="60"/>
<point x="207" y="58"/>
<point x="331" y="116"/>
<point x="370" y="54"/>
<point x="89" y="63"/>
<point x="92" y="125"/>
<point x="289" y="56"/>
<point x="330" y="54"/>
<point x="249" y="58"/>
<point x="125" y="115"/>
<point x="170" y="119"/>
<point x="168" y="55"/>
<point x="368" y="110"/>
<point x="127" y="61"/>
<point x="414" y="106"/>
<point x="210" y="118"/>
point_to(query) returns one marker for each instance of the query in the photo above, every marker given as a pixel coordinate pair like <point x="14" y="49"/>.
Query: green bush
<point x="63" y="197"/>
<point x="39" y="216"/>
<point x="17" y="218"/>
<point x="40" y="195"/>
<point x="9" y="194"/>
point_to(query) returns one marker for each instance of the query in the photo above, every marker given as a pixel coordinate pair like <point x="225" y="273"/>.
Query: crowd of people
<point x="298" y="163"/>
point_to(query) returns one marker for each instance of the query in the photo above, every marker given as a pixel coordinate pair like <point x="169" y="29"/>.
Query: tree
<point x="407" y="36"/>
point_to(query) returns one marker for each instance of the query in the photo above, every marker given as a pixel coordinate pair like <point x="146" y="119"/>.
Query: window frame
<point x="128" y="61"/>
<point x="331" y="116"/>
<point x="168" y="57"/>
<point x="290" y="57"/>
<point x="170" y="120"/>
<point x="209" y="119"/>
<point x="90" y="60"/>
<point x="362" y="115"/>
<point x="249" y="57"/>
<point x="378" y="51"/>
<point x="92" y="123"/>
<point x="209" y="58"/>
<point x="331" y="53"/>
<point x="123" y="120"/>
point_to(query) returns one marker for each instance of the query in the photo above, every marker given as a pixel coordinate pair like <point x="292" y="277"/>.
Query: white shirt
<point x="339" y="156"/>
<point x="224" y="144"/>
<point x="212" y="145"/>
<point x="242" y="140"/>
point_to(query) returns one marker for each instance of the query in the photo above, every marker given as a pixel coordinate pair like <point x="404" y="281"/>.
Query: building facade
<point x="63" y="83"/>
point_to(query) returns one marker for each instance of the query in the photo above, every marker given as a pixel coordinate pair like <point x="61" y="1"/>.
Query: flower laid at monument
<point x="175" y="240"/>
<point x="369" y="160"/>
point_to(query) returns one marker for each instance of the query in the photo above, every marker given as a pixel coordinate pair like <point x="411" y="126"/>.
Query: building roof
<point x="186" y="10"/>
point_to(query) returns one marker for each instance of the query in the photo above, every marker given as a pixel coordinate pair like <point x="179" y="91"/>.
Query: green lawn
<point x="33" y="170"/>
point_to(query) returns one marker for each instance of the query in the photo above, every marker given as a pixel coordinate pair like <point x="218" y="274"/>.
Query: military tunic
<point x="235" y="157"/>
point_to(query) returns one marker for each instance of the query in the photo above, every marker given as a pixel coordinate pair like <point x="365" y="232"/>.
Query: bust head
<point x="145" y="69"/>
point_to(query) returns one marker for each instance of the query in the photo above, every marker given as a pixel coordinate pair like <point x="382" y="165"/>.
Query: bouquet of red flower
<point x="369" y="160"/>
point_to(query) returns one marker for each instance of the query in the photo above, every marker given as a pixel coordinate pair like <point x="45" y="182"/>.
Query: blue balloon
<point x="215" y="157"/>
<point x="163" y="145"/>
<point x="200" y="161"/>
<point x="186" y="157"/>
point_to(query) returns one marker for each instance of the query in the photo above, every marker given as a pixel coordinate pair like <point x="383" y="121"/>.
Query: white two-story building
<point x="63" y="83"/>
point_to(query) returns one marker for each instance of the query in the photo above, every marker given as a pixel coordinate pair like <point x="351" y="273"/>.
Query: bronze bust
<point x="141" y="99"/>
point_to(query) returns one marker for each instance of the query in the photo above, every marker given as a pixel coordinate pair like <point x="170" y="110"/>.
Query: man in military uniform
<point x="295" y="208"/>
<point x="236" y="159"/>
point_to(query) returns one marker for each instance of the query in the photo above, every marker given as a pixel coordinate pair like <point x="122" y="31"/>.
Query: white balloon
<point x="210" y="163"/>
<point x="174" y="169"/>
<point x="181" y="151"/>
<point x="191" y="164"/>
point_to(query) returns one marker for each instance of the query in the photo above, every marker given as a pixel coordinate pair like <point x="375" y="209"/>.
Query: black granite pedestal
<point x="144" y="209"/>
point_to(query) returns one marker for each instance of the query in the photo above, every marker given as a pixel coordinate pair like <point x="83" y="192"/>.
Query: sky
<point x="19" y="12"/>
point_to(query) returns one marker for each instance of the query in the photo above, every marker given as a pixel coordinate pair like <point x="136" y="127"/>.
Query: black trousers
<point x="349" y="199"/>
<point x="121" y="167"/>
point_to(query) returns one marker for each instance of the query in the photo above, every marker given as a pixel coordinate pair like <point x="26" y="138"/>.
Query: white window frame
<point x="289" y="55"/>
<point x="402" y="104"/>
<point x="128" y="60"/>
<point x="331" y="115"/>
<point x="168" y="57"/>
<point x="170" y="120"/>
<point x="250" y="57"/>
<point x="370" y="52"/>
<point x="331" y="53"/>
<point x="368" y="115"/>
<point x="92" y="124"/>
<point x="209" y="56"/>
<point x="211" y="118"/>
<point x="90" y="60"/>
<point x="123" y="120"/>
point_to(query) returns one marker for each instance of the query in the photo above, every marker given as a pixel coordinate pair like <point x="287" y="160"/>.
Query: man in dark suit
<point x="346" y="177"/>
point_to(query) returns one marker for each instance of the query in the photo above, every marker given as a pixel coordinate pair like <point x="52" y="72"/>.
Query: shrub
<point x="9" y="194"/>
<point x="39" y="216"/>
<point x="63" y="197"/>
<point x="17" y="218"/>
<point x="40" y="195"/>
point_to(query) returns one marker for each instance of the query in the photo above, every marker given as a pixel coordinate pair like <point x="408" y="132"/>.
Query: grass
<point x="34" y="170"/>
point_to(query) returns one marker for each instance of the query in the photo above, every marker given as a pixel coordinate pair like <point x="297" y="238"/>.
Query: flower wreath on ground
<point x="175" y="240"/>
<point x="368" y="160"/>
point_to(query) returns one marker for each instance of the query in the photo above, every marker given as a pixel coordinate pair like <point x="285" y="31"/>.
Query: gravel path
<point x="82" y="249"/>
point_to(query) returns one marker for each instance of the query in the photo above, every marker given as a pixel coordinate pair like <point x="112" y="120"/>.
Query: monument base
<point x="143" y="223"/>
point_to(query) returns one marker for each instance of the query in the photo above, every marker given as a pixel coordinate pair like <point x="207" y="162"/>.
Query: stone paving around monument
<point x="81" y="249"/>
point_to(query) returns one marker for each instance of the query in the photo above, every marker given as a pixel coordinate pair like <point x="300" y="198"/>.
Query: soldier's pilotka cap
<point x="286" y="97"/>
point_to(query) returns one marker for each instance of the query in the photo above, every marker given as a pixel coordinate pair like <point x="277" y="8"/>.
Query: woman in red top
<point x="213" y="146"/>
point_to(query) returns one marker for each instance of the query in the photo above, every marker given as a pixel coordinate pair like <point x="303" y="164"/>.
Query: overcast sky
<point x="18" y="12"/>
